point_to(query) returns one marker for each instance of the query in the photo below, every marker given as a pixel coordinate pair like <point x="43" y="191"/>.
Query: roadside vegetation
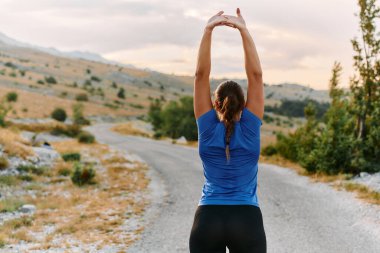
<point x="346" y="140"/>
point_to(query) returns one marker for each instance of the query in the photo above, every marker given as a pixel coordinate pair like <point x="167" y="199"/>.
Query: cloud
<point x="293" y="37"/>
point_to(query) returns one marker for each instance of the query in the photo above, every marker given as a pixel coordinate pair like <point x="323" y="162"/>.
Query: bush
<point x="78" y="116"/>
<point x="38" y="170"/>
<point x="50" y="79"/>
<point x="26" y="177"/>
<point x="4" y="109"/>
<point x="81" y="97"/>
<point x="10" y="65"/>
<point x="64" y="172"/>
<point x="269" y="150"/>
<point x="68" y="130"/>
<point x="59" y="114"/>
<point x="10" y="205"/>
<point x="86" y="137"/>
<point x="11" y="96"/>
<point x="95" y="78"/>
<point x="83" y="174"/>
<point x="71" y="157"/>
<point x="3" y="162"/>
<point x="7" y="180"/>
<point x="121" y="93"/>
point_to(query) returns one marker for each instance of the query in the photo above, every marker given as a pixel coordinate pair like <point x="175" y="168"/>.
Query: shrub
<point x="50" y="79"/>
<point x="3" y="162"/>
<point x="137" y="106"/>
<point x="86" y="137"/>
<point x="10" y="205"/>
<point x="38" y="170"/>
<point x="87" y="83"/>
<point x="68" y="130"/>
<point x="4" y="109"/>
<point x="22" y="72"/>
<point x="7" y="180"/>
<point x="95" y="78"/>
<point x="64" y="172"/>
<point x="121" y="93"/>
<point x="26" y="177"/>
<point x="10" y="65"/>
<point x="269" y="150"/>
<point x="12" y="96"/>
<point x="78" y="116"/>
<point x="83" y="174"/>
<point x="71" y="157"/>
<point x="81" y="97"/>
<point x="40" y="82"/>
<point x="59" y="114"/>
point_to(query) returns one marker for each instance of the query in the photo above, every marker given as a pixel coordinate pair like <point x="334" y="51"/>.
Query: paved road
<point x="299" y="216"/>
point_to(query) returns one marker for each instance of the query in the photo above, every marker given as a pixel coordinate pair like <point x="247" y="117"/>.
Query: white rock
<point x="181" y="140"/>
<point x="363" y="174"/>
<point x="28" y="208"/>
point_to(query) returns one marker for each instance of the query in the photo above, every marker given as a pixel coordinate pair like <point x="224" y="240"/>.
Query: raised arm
<point x="255" y="91"/>
<point x="202" y="93"/>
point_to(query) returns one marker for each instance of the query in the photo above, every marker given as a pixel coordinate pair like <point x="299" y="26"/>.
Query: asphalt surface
<point x="299" y="216"/>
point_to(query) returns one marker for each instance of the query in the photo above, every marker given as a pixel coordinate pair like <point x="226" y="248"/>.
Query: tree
<point x="154" y="114"/>
<point x="176" y="119"/>
<point x="365" y="88"/>
<point x="333" y="150"/>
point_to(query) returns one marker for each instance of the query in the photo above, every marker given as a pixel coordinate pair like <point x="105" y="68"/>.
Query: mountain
<point x="53" y="51"/>
<point x="46" y="78"/>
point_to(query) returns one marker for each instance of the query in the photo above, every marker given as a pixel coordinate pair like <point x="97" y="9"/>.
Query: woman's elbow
<point x="256" y="76"/>
<point x="200" y="75"/>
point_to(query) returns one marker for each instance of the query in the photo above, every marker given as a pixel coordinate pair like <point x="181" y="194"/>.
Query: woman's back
<point x="233" y="182"/>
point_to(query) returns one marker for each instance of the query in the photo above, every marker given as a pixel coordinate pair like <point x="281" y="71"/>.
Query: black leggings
<point x="238" y="227"/>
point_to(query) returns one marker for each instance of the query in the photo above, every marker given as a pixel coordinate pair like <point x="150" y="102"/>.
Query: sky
<point x="297" y="40"/>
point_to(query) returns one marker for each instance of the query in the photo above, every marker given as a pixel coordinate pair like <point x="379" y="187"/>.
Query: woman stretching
<point x="228" y="213"/>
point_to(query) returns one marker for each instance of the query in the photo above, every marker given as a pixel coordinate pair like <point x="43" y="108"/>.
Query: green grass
<point x="10" y="205"/>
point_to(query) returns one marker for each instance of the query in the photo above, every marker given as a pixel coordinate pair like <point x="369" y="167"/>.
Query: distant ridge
<point x="86" y="55"/>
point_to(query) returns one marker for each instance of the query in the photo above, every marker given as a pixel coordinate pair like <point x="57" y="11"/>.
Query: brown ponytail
<point x="228" y="120"/>
<point x="229" y="102"/>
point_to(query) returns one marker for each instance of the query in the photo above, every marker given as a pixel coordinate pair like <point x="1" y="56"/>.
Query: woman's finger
<point x="219" y="13"/>
<point x="238" y="12"/>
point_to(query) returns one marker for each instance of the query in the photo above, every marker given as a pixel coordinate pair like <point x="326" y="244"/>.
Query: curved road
<point x="299" y="216"/>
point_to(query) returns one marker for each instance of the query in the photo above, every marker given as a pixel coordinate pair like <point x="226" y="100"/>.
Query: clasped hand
<point x="236" y="22"/>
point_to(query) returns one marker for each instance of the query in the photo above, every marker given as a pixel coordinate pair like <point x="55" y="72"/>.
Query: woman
<point x="228" y="213"/>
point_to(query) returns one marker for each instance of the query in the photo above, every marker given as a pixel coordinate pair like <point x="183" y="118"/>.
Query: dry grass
<point x="40" y="106"/>
<point x="362" y="191"/>
<point x="14" y="144"/>
<point x="81" y="213"/>
<point x="129" y="129"/>
<point x="339" y="181"/>
<point x="37" y="127"/>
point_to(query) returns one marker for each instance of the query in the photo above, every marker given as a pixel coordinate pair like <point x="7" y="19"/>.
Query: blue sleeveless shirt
<point x="232" y="183"/>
